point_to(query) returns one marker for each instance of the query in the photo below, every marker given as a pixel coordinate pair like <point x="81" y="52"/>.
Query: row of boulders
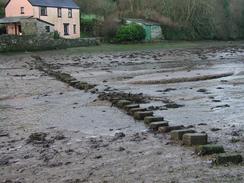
<point x="185" y="135"/>
<point x="50" y="69"/>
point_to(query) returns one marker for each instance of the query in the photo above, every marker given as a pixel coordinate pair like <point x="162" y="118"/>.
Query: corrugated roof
<point x="55" y="3"/>
<point x="145" y="22"/>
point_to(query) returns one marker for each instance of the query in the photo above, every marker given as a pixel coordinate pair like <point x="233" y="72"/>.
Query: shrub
<point x="56" y="35"/>
<point x="130" y="33"/>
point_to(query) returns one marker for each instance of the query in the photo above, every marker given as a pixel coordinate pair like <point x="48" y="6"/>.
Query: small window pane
<point x="59" y="12"/>
<point x="43" y="11"/>
<point x="22" y="10"/>
<point x="74" y="28"/>
<point x="70" y="13"/>
<point x="47" y="28"/>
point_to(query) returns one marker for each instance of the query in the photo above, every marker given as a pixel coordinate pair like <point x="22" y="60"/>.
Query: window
<point x="43" y="11"/>
<point x="47" y="28"/>
<point x="66" y="29"/>
<point x="22" y="10"/>
<point x="74" y="29"/>
<point x="59" y="12"/>
<point x="70" y="13"/>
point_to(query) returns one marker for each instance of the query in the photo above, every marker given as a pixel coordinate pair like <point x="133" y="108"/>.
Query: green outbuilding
<point x="153" y="29"/>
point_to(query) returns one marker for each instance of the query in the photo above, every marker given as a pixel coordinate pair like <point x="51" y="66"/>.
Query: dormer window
<point x="22" y="10"/>
<point x="43" y="11"/>
<point x="70" y="13"/>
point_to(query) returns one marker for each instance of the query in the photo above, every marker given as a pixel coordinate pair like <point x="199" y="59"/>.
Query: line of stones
<point x="184" y="135"/>
<point x="49" y="69"/>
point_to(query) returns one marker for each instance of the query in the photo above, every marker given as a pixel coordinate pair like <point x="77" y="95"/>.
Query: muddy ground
<point x="84" y="139"/>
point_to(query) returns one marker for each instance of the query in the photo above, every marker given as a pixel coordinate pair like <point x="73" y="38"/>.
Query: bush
<point x="56" y="35"/>
<point x="130" y="33"/>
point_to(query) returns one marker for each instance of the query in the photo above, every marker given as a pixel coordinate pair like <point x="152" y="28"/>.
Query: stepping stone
<point x="122" y="103"/>
<point x="133" y="110"/>
<point x="167" y="129"/>
<point x="131" y="106"/>
<point x="178" y="134"/>
<point x="226" y="158"/>
<point x="209" y="149"/>
<point x="150" y="119"/>
<point x="140" y="115"/>
<point x="155" y="125"/>
<point x="191" y="139"/>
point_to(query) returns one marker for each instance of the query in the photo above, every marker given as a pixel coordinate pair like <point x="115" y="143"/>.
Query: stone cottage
<point x="28" y="17"/>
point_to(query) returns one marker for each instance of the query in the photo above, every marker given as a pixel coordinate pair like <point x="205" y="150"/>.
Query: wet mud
<point x="52" y="129"/>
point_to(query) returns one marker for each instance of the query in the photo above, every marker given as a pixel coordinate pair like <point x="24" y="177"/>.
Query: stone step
<point x="155" y="125"/>
<point x="192" y="139"/>
<point x="168" y="129"/>
<point x="131" y="106"/>
<point x="226" y="158"/>
<point x="209" y="149"/>
<point x="150" y="119"/>
<point x="133" y="110"/>
<point x="122" y="103"/>
<point x="140" y="115"/>
<point x="178" y="134"/>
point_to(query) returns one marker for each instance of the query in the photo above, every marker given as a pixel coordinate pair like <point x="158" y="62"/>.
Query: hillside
<point x="180" y="19"/>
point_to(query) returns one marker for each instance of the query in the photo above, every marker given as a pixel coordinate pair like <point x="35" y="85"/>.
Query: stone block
<point x="140" y="115"/>
<point x="192" y="139"/>
<point x="156" y="125"/>
<point x="122" y="103"/>
<point x="150" y="119"/>
<point x="209" y="149"/>
<point x="168" y="129"/>
<point x="178" y="134"/>
<point x="131" y="106"/>
<point x="226" y="158"/>
<point x="133" y="110"/>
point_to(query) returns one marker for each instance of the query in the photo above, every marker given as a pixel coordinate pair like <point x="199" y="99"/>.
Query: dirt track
<point x="85" y="136"/>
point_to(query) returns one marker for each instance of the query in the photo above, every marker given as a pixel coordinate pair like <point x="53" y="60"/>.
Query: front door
<point x="66" y="29"/>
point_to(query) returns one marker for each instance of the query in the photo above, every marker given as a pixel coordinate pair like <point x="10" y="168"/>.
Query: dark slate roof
<point x="55" y="3"/>
<point x="8" y="20"/>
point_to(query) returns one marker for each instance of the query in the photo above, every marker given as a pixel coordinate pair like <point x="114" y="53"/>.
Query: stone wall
<point x="41" y="42"/>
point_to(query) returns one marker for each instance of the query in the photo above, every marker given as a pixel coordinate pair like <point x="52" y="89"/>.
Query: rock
<point x="202" y="90"/>
<point x="191" y="139"/>
<point x="150" y="119"/>
<point x="226" y="158"/>
<point x="178" y="134"/>
<point x="132" y="111"/>
<point x="59" y="136"/>
<point x="156" y="125"/>
<point x="167" y="129"/>
<point x="3" y="133"/>
<point x="202" y="124"/>
<point x="118" y="136"/>
<point x="131" y="106"/>
<point x="173" y="105"/>
<point x="209" y="149"/>
<point x="38" y="137"/>
<point x="215" y="129"/>
<point x="122" y="103"/>
<point x="140" y="115"/>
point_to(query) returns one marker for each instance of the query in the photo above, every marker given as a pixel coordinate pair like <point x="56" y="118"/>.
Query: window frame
<point x="74" y="29"/>
<point x="22" y="10"/>
<point x="41" y="11"/>
<point x="70" y="13"/>
<point x="47" y="28"/>
<point x="59" y="12"/>
<point x="66" y="25"/>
